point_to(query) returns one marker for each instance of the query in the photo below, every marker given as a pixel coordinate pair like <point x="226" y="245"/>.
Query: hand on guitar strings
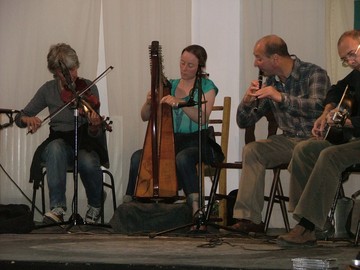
<point x="333" y="118"/>
<point x="318" y="129"/>
<point x="323" y="124"/>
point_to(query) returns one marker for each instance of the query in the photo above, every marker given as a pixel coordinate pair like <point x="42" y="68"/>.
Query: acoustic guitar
<point x="337" y="133"/>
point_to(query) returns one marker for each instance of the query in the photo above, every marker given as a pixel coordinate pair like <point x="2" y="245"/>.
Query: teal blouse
<point x="182" y="123"/>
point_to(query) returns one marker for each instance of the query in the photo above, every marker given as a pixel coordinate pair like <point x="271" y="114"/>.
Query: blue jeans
<point x="186" y="170"/>
<point x="58" y="157"/>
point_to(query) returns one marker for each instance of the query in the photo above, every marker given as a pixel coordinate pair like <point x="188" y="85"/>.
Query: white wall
<point x="217" y="28"/>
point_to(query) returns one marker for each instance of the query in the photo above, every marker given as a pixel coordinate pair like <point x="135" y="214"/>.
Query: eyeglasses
<point x="350" y="56"/>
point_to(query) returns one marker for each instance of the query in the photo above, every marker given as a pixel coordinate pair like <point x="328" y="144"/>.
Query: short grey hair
<point x="62" y="52"/>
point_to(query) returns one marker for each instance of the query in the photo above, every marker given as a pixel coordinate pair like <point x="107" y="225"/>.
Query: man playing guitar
<point x="317" y="163"/>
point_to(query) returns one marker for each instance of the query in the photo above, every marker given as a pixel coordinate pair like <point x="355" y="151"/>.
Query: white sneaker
<point x="93" y="214"/>
<point x="56" y="215"/>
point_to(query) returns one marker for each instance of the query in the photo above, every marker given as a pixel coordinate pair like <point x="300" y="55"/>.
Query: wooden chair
<point x="276" y="192"/>
<point x="341" y="194"/>
<point x="220" y="120"/>
<point x="41" y="185"/>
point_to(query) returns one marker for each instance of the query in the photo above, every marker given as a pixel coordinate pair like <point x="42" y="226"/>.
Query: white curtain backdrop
<point x="339" y="18"/>
<point x="118" y="32"/>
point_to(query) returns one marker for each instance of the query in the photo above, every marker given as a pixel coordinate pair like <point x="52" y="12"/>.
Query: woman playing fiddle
<point x="57" y="151"/>
<point x="185" y="122"/>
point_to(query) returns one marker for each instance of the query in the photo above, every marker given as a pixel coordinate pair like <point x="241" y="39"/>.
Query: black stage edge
<point x="21" y="265"/>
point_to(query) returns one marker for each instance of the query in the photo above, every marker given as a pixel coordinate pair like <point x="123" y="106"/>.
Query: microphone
<point x="66" y="73"/>
<point x="8" y="111"/>
<point x="190" y="103"/>
<point x="201" y="73"/>
<point x="9" y="114"/>
<point x="204" y="74"/>
<point x="260" y="79"/>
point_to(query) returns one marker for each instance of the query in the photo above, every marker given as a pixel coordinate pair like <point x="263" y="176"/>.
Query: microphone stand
<point x="75" y="219"/>
<point x="200" y="218"/>
<point x="203" y="218"/>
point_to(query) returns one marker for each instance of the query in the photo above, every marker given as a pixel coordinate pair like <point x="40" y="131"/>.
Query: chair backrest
<point x="220" y="120"/>
<point x="272" y="128"/>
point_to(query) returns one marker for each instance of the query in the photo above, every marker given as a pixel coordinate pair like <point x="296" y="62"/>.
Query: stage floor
<point x="85" y="247"/>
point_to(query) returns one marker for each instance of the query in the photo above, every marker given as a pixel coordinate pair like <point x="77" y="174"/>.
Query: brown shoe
<point x="298" y="236"/>
<point x="198" y="229"/>
<point x="247" y="226"/>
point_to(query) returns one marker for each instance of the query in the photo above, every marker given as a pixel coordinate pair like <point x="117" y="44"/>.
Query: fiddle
<point x="79" y="88"/>
<point x="89" y="100"/>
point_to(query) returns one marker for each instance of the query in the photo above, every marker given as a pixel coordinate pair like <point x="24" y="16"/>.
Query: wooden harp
<point x="157" y="171"/>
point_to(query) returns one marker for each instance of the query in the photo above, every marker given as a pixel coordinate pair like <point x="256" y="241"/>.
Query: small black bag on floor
<point x="15" y="218"/>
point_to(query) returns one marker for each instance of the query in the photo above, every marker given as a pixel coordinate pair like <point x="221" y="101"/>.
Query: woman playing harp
<point x="185" y="123"/>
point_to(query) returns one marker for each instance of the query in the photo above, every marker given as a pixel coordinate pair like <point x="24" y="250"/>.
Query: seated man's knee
<point x="250" y="148"/>
<point x="331" y="153"/>
<point x="308" y="148"/>
<point x="300" y="147"/>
